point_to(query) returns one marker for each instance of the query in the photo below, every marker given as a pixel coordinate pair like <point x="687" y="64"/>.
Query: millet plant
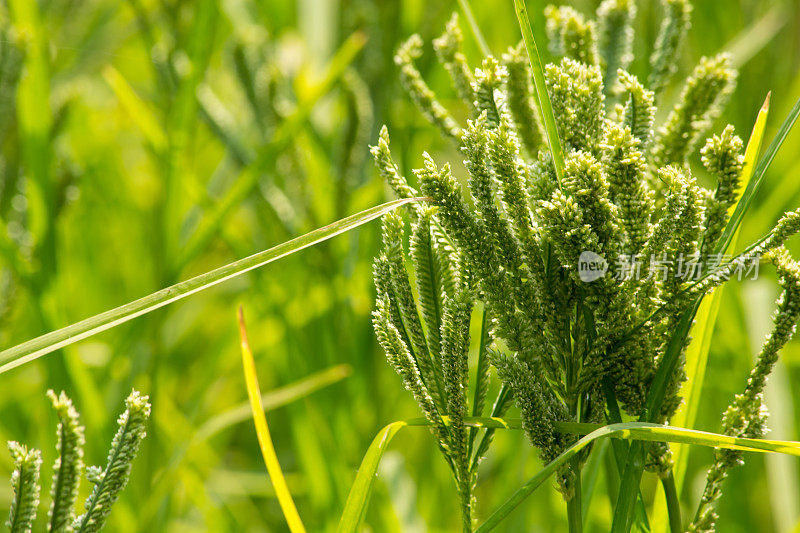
<point x="567" y="171"/>
<point x="107" y="482"/>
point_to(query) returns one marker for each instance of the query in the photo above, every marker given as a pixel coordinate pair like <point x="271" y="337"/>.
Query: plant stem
<point x="466" y="504"/>
<point x="574" y="504"/>
<point x="629" y="488"/>
<point x="673" y="503"/>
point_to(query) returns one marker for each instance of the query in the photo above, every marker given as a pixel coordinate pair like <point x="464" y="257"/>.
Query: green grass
<point x="150" y="184"/>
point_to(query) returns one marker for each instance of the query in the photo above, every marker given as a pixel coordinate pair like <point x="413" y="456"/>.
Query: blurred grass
<point x="154" y="140"/>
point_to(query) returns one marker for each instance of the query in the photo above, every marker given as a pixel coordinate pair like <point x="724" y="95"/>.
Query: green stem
<point x="574" y="504"/>
<point x="629" y="488"/>
<point x="542" y="96"/>
<point x="673" y="503"/>
<point x="466" y="504"/>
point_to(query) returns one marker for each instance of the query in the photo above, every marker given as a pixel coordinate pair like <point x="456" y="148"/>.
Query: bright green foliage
<point x="109" y="482"/>
<point x="571" y="35"/>
<point x="68" y="467"/>
<point x="674" y="27"/>
<point x="25" y="482"/>
<point x="747" y="415"/>
<point x="615" y="38"/>
<point x="701" y="102"/>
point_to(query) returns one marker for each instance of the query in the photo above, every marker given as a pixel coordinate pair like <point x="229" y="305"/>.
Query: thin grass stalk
<point x="542" y="96"/>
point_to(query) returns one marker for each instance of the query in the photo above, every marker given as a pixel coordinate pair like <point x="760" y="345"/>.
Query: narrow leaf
<point x="138" y="110"/>
<point x="758" y="175"/>
<point x="640" y="431"/>
<point x="697" y="352"/>
<point x="542" y="96"/>
<point x="357" y="501"/>
<point x="264" y="439"/>
<point x="35" y="348"/>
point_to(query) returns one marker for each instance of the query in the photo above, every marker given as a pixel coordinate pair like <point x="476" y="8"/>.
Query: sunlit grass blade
<point x="355" y="508"/>
<point x="542" y="96"/>
<point x="697" y="352"/>
<point x="34" y="115"/>
<point x="638" y="431"/>
<point x="273" y="399"/>
<point x="137" y="109"/>
<point x="751" y="40"/>
<point x="282" y="138"/>
<point x="758" y="175"/>
<point x="473" y="24"/>
<point x="264" y="439"/>
<point x="35" y="348"/>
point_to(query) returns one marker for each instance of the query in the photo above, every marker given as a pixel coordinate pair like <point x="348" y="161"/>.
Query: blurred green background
<point x="147" y="141"/>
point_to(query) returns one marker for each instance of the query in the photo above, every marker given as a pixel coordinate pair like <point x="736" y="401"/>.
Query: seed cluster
<point x="517" y="240"/>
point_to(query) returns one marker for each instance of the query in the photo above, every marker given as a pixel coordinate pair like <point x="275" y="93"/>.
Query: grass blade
<point x="358" y="499"/>
<point x="542" y="96"/>
<point x="139" y="111"/>
<point x="273" y="399"/>
<point x="264" y="439"/>
<point x="638" y="431"/>
<point x="473" y="24"/>
<point x="35" y="348"/>
<point x="697" y="352"/>
<point x="758" y="175"/>
<point x="283" y="137"/>
<point x="34" y="116"/>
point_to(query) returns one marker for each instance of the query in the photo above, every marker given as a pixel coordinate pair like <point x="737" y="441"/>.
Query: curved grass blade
<point x="758" y="176"/>
<point x="355" y="508"/>
<point x="272" y="400"/>
<point x="697" y="352"/>
<point x="264" y="439"/>
<point x="35" y="348"/>
<point x="639" y="431"/>
<point x="542" y="96"/>
<point x="476" y="30"/>
<point x="283" y="137"/>
<point x="140" y="113"/>
<point x="358" y="499"/>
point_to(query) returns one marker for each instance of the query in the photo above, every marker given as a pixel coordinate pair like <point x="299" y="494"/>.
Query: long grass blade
<point x="264" y="439"/>
<point x="355" y="508"/>
<point x="358" y="499"/>
<point x="542" y="96"/>
<point x="35" y="348"/>
<point x="697" y="352"/>
<point x="282" y="138"/>
<point x="273" y="399"/>
<point x="476" y="29"/>
<point x="638" y="431"/>
<point x="758" y="175"/>
<point x="34" y="115"/>
<point x="137" y="109"/>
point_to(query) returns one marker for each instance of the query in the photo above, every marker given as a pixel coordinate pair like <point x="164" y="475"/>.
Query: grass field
<point x="148" y="141"/>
